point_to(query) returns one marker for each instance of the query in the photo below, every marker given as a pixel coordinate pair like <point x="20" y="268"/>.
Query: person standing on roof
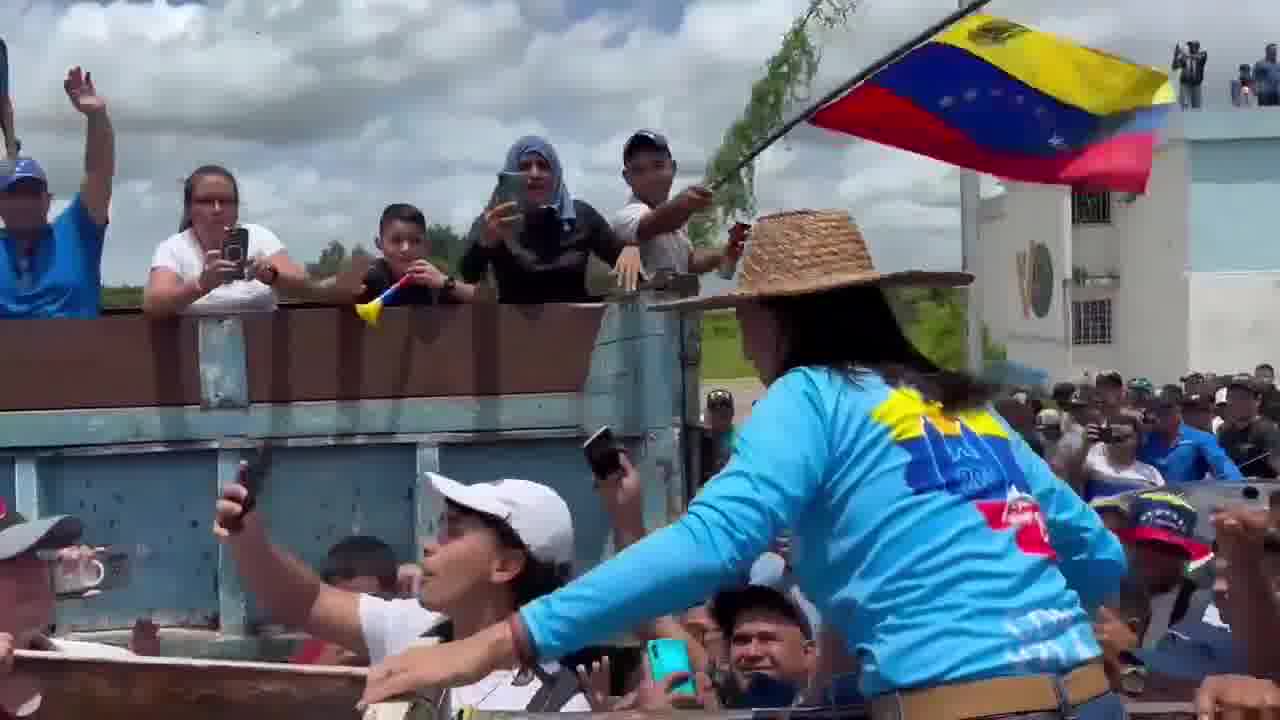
<point x="927" y="533"/>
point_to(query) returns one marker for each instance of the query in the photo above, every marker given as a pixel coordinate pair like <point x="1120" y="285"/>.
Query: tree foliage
<point x="121" y="296"/>
<point x="788" y="77"/>
<point x="332" y="259"/>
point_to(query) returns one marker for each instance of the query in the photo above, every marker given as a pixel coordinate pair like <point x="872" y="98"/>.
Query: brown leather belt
<point x="992" y="697"/>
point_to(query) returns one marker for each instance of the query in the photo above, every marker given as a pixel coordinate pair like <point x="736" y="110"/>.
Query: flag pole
<point x="970" y="228"/>
<point x="967" y="8"/>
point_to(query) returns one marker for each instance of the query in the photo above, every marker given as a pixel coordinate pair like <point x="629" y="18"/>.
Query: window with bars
<point x="1091" y="322"/>
<point x="1090" y="208"/>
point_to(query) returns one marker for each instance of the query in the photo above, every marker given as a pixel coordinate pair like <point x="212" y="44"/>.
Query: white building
<point x="1185" y="277"/>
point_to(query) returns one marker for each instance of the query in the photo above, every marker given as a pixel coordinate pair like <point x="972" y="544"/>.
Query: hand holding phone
<point x="668" y="657"/>
<point x="603" y="453"/>
<point x="235" y="250"/>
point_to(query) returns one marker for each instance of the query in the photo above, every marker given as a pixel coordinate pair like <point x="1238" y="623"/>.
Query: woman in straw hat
<point x="958" y="568"/>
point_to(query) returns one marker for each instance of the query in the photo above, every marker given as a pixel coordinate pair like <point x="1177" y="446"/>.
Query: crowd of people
<point x="529" y="248"/>
<point x="1256" y="85"/>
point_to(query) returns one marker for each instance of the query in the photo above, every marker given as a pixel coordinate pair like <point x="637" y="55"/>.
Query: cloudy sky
<point x="329" y="109"/>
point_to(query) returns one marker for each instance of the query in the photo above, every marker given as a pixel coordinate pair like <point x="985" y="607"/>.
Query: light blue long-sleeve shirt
<point x="942" y="551"/>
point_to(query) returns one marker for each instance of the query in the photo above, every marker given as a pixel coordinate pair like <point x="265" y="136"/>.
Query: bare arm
<point x="167" y="294"/>
<point x="287" y="588"/>
<point x="99" y="166"/>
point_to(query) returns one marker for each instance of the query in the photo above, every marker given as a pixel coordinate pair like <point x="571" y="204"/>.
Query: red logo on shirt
<point x="1022" y="515"/>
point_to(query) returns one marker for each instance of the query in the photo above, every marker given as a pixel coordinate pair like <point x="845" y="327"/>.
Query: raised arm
<point x="99" y="146"/>
<point x="1224" y="468"/>
<point x="288" y="589"/>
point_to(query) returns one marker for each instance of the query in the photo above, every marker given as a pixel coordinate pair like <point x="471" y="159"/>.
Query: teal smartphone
<point x="668" y="657"/>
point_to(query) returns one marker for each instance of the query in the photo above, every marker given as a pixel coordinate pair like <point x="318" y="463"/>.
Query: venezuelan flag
<point x="1001" y="98"/>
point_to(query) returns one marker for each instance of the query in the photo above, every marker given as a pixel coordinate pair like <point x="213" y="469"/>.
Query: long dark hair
<point x="188" y="188"/>
<point x="854" y="330"/>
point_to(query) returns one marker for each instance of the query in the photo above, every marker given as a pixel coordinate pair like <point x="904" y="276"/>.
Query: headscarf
<point x="562" y="201"/>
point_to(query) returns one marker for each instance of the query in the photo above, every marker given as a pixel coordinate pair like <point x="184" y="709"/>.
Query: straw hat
<point x="808" y="251"/>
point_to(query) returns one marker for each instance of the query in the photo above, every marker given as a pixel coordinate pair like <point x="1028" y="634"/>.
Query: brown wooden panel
<point x="329" y="354"/>
<point x="118" y="361"/>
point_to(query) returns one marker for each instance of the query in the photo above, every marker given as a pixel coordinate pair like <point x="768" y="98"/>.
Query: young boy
<point x="402" y="239"/>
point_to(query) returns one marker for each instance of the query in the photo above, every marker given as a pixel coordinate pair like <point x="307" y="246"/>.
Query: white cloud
<point x="329" y="109"/>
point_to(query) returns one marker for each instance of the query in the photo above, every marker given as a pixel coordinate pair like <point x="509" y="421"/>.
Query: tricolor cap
<point x="23" y="169"/>
<point x="1164" y="517"/>
<point x="537" y="514"/>
<point x="19" y="536"/>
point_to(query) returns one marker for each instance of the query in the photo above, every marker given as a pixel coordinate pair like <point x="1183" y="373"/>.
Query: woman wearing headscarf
<point x="960" y="572"/>
<point x="539" y="253"/>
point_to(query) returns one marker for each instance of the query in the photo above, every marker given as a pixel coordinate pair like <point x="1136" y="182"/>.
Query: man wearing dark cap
<point x="656" y="221"/>
<point x="27" y="601"/>
<point x="717" y="438"/>
<point x="53" y="269"/>
<point x="1182" y="453"/>
<point x="1249" y="439"/>
<point x="771" y="646"/>
<point x="1197" y="412"/>
<point x="1110" y="387"/>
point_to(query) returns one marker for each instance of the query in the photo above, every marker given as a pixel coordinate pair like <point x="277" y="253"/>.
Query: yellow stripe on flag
<point x="1094" y="81"/>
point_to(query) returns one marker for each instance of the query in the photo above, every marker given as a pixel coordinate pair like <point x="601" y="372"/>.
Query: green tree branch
<point x="788" y="77"/>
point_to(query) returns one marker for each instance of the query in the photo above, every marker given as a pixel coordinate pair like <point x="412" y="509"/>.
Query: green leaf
<point x="788" y="78"/>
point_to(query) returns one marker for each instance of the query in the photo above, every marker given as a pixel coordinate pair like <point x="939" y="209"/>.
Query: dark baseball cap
<point x="727" y="605"/>
<point x="645" y="140"/>
<point x="19" y="536"/>
<point x="1244" y="382"/>
<point x="1193" y="377"/>
<point x="1110" y="377"/>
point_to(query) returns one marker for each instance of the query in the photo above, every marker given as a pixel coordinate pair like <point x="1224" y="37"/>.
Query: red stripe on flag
<point x="1121" y="163"/>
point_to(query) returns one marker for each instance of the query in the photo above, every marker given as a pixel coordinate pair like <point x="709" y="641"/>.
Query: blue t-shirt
<point x="943" y="549"/>
<point x="64" y="277"/>
<point x="1193" y="454"/>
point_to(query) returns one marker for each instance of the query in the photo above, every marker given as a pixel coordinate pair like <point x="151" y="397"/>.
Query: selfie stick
<point x="372" y="310"/>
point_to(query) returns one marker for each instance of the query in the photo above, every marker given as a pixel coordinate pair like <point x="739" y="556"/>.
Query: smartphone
<point x="513" y="187"/>
<point x="668" y="657"/>
<point x="252" y="479"/>
<point x="603" y="453"/>
<point x="235" y="248"/>
<point x="108" y="570"/>
<point x="1105" y="435"/>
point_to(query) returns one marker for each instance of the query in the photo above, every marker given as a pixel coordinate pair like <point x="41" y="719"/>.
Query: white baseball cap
<point x="537" y="514"/>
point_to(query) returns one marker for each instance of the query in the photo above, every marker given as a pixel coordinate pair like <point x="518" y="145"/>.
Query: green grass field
<point x="722" y="348"/>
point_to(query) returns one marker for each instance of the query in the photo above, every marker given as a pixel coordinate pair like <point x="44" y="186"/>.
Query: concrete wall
<point x="1025" y="214"/>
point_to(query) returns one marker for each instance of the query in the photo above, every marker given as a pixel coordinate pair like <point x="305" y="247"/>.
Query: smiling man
<point x="772" y="653"/>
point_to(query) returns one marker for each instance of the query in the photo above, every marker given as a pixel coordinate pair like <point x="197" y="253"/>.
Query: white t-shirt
<point x="1106" y="479"/>
<point x="391" y="626"/>
<point x="182" y="254"/>
<point x="668" y="251"/>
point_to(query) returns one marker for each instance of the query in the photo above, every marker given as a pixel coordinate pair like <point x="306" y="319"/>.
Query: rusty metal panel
<point x="123" y="361"/>
<point x="328" y="354"/>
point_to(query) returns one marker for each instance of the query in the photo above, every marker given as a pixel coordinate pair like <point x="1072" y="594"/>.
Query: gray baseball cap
<point x="19" y="535"/>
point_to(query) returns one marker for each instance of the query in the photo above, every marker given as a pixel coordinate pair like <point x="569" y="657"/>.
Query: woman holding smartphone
<point x="215" y="264"/>
<point x="537" y="237"/>
<point x="930" y="536"/>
